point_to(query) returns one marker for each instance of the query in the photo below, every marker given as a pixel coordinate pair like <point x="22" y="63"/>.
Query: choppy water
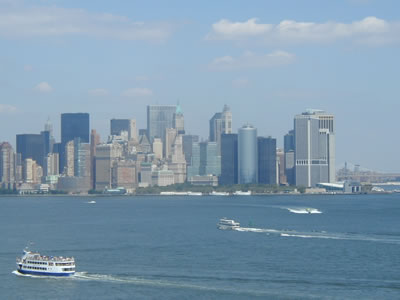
<point x="348" y="247"/>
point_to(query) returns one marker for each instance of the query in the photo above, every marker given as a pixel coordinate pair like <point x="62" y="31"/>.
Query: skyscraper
<point x="159" y="118"/>
<point x="188" y="141"/>
<point x="178" y="121"/>
<point x="94" y="141"/>
<point x="205" y="160"/>
<point x="128" y="125"/>
<point x="35" y="146"/>
<point x="220" y="123"/>
<point x="314" y="148"/>
<point x="288" y="148"/>
<point x="7" y="165"/>
<point x="266" y="160"/>
<point x="229" y="159"/>
<point x="73" y="125"/>
<point x="247" y="155"/>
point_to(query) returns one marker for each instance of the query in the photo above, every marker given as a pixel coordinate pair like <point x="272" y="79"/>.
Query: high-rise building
<point x="178" y="121"/>
<point x="73" y="125"/>
<point x="124" y="174"/>
<point x="7" y="166"/>
<point x="94" y="141"/>
<point x="170" y="136"/>
<point x="205" y="160"/>
<point x="35" y="146"/>
<point x="51" y="166"/>
<point x="159" y="118"/>
<point x="247" y="155"/>
<point x="188" y="141"/>
<point x="314" y="148"/>
<point x="288" y="148"/>
<point x="229" y="159"/>
<point x="69" y="159"/>
<point x="48" y="126"/>
<point x="220" y="123"/>
<point x="106" y="155"/>
<point x="128" y="125"/>
<point x="177" y="162"/>
<point x="266" y="160"/>
<point x="81" y="158"/>
<point x="158" y="148"/>
<point x="280" y="162"/>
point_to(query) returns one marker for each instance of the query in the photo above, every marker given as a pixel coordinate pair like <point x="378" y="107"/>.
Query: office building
<point x="220" y="123"/>
<point x="229" y="159"/>
<point x="73" y="125"/>
<point x="128" y="125"/>
<point x="94" y="141"/>
<point x="159" y="118"/>
<point x="7" y="166"/>
<point x="188" y="141"/>
<point x="106" y="155"/>
<point x="82" y="163"/>
<point x="267" y="167"/>
<point x="35" y="146"/>
<point x="178" y="120"/>
<point x="314" y="148"/>
<point x="205" y="160"/>
<point x="158" y="148"/>
<point x="177" y="162"/>
<point x="247" y="155"/>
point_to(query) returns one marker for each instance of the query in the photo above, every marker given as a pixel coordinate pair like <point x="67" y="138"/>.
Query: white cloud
<point x="367" y="30"/>
<point x="6" y="108"/>
<point x="98" y="92"/>
<point x="251" y="60"/>
<point x="137" y="92"/>
<point x="43" y="87"/>
<point x="25" y="21"/>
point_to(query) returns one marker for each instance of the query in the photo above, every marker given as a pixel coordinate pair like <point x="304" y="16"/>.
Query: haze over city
<point x="268" y="60"/>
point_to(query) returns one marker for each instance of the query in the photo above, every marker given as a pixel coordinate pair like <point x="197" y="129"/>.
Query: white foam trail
<point x="305" y="210"/>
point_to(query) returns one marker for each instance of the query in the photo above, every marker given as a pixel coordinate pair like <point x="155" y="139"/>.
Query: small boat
<point x="91" y="202"/>
<point x="214" y="193"/>
<point x="227" y="224"/>
<point x="240" y="193"/>
<point x="35" y="264"/>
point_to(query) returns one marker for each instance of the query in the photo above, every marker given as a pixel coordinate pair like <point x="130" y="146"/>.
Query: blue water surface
<point x="168" y="247"/>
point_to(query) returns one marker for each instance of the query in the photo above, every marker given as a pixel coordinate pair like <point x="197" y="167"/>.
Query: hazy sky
<point x="268" y="60"/>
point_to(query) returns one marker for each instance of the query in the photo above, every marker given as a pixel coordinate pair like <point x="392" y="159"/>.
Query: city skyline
<point x="117" y="59"/>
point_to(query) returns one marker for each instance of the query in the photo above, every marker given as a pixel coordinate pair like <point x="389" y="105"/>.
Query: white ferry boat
<point x="36" y="264"/>
<point x="240" y="193"/>
<point x="214" y="193"/>
<point x="226" y="224"/>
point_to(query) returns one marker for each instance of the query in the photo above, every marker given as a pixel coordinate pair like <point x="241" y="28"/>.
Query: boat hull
<point x="25" y="272"/>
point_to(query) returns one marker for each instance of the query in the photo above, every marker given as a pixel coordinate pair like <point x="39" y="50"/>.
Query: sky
<point x="267" y="59"/>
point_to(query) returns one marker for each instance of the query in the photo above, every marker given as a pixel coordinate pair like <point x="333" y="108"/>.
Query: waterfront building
<point x="159" y="118"/>
<point x="7" y="166"/>
<point x="162" y="177"/>
<point x="267" y="167"/>
<point x="205" y="159"/>
<point x="205" y="180"/>
<point x="94" y="141"/>
<point x="229" y="159"/>
<point x="280" y="163"/>
<point x="128" y="125"/>
<point x="73" y="125"/>
<point x="69" y="159"/>
<point x="32" y="171"/>
<point x="220" y="123"/>
<point x="314" y="148"/>
<point x="247" y="155"/>
<point x="124" y="174"/>
<point x="81" y="158"/>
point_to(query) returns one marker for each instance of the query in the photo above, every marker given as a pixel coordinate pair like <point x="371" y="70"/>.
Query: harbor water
<point x="169" y="247"/>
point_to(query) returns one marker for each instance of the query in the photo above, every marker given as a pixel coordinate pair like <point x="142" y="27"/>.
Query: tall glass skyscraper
<point x="205" y="160"/>
<point x="229" y="159"/>
<point x="159" y="118"/>
<point x="247" y="155"/>
<point x="35" y="146"/>
<point x="73" y="125"/>
<point x="266" y="160"/>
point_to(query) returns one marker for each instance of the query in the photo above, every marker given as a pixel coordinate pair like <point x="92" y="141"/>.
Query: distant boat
<point x="91" y="202"/>
<point x="214" y="193"/>
<point x="195" y="194"/>
<point x="35" y="264"/>
<point x="227" y="224"/>
<point x="240" y="193"/>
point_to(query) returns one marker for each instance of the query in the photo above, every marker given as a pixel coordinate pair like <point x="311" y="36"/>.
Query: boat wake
<point x="303" y="210"/>
<point x="324" y="235"/>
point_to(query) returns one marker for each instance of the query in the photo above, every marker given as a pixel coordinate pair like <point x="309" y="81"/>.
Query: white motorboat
<point x="227" y="224"/>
